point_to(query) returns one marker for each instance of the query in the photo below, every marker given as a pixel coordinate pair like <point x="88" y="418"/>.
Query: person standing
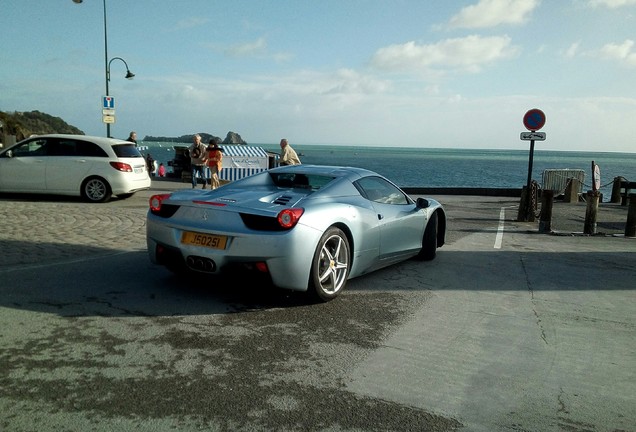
<point x="162" y="170"/>
<point x="215" y="163"/>
<point x="132" y="137"/>
<point x="150" y="163"/>
<point x="288" y="155"/>
<point x="197" y="160"/>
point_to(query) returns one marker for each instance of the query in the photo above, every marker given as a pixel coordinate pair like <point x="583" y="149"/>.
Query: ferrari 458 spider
<point x="309" y="227"/>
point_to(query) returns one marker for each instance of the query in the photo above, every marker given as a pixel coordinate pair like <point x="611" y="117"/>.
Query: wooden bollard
<point x="572" y="191"/>
<point x="591" y="212"/>
<point x="525" y="212"/>
<point x="522" y="212"/>
<point x="616" y="190"/>
<point x="630" y="225"/>
<point x="545" y="219"/>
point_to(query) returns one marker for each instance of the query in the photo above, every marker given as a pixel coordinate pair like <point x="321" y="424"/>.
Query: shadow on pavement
<point x="111" y="283"/>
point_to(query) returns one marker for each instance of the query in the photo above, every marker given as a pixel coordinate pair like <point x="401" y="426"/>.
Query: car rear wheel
<point x="429" y="241"/>
<point x="330" y="265"/>
<point x="96" y="189"/>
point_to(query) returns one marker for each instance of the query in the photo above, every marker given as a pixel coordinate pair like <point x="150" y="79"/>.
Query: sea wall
<point x="503" y="192"/>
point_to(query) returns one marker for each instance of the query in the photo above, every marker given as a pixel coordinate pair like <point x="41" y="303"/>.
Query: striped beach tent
<point x="241" y="161"/>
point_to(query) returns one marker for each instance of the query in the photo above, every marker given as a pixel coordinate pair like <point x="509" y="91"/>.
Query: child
<point x="215" y="163"/>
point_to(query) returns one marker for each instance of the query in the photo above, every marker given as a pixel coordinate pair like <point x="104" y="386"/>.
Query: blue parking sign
<point x="109" y="102"/>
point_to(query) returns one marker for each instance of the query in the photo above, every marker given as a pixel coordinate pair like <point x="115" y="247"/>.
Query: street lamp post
<point x="129" y="75"/>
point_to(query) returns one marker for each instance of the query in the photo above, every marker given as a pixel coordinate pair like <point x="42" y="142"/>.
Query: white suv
<point x="94" y="168"/>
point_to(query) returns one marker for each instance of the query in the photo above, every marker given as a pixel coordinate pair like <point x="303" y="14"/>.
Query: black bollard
<point x="630" y="225"/>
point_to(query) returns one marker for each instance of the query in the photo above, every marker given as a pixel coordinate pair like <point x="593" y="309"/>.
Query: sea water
<point x="443" y="167"/>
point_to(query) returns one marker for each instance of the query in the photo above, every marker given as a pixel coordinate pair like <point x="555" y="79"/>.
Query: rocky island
<point x="230" y="138"/>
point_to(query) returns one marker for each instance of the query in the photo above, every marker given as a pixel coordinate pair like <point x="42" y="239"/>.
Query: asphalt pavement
<point x="508" y="329"/>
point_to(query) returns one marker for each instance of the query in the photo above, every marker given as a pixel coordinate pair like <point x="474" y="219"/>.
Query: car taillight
<point x="120" y="166"/>
<point x="156" y="201"/>
<point x="288" y="218"/>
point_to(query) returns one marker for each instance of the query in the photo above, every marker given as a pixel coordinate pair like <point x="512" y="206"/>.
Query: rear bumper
<point x="288" y="256"/>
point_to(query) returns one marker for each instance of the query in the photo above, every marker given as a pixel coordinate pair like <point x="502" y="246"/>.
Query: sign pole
<point x="533" y="120"/>
<point x="529" y="216"/>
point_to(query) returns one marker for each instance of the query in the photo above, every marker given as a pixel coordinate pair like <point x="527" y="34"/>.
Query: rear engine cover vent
<point x="283" y="200"/>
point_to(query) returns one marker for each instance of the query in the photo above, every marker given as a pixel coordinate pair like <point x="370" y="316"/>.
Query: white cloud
<point x="257" y="47"/>
<point x="468" y="53"/>
<point x="612" y="4"/>
<point x="624" y="52"/>
<point x="572" y="50"/>
<point x="348" y="81"/>
<point x="491" y="13"/>
<point x="189" y="23"/>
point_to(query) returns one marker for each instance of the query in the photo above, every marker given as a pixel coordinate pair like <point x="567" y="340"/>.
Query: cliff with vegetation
<point x="25" y="124"/>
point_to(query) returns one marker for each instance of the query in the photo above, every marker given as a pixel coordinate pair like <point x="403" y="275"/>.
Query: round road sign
<point x="534" y="119"/>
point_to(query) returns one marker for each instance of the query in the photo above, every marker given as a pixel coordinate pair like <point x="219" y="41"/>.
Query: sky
<point x="435" y="73"/>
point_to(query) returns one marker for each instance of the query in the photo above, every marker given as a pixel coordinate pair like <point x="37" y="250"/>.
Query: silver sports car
<point x="308" y="227"/>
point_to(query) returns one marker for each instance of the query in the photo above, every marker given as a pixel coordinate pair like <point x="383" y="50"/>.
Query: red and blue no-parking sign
<point x="534" y="119"/>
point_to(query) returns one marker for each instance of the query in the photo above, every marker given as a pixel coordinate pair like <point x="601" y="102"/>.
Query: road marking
<point x="500" y="229"/>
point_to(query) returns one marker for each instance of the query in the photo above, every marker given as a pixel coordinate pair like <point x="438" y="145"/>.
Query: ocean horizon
<point x="449" y="167"/>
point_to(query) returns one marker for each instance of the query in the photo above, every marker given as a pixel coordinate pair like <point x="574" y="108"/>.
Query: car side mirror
<point x="9" y="153"/>
<point x="422" y="203"/>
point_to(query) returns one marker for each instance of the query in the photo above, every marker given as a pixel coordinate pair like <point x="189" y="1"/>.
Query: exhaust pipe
<point x="201" y="264"/>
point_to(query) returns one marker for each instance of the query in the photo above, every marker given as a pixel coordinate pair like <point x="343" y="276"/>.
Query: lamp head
<point x="78" y="1"/>
<point x="129" y="74"/>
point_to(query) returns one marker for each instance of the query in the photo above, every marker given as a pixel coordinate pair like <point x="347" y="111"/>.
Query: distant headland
<point x="21" y="125"/>
<point x="230" y="138"/>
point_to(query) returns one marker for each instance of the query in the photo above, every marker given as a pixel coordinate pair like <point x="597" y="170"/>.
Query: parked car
<point x="180" y="163"/>
<point x="308" y="227"/>
<point x="94" y="168"/>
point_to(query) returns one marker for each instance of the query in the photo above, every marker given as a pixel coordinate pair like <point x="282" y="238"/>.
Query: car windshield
<point x="126" y="150"/>
<point x="302" y="181"/>
<point x="379" y="190"/>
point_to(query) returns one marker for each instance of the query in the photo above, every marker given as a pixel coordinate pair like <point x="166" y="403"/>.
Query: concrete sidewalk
<point x="569" y="218"/>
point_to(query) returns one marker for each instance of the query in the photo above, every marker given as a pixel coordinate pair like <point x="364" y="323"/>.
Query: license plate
<point x="205" y="240"/>
<point x="139" y="170"/>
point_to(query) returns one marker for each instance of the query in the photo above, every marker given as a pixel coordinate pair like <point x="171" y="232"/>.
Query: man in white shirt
<point x="288" y="155"/>
<point x="198" y="157"/>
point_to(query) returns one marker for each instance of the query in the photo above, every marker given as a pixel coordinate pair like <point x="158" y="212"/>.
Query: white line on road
<point x="500" y="230"/>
